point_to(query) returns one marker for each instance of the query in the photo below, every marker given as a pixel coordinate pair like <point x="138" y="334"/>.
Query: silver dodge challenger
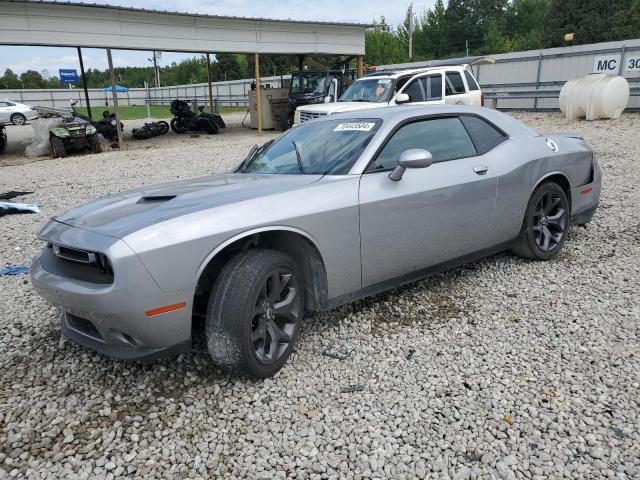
<point x="331" y="211"/>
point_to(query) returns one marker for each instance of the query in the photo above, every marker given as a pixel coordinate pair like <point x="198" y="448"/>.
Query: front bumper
<point x="105" y="315"/>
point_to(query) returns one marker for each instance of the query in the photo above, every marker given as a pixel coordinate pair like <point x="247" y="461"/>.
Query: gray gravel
<point x="500" y="369"/>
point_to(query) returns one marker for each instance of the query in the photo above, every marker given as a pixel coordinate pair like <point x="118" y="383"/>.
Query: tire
<point x="246" y="313"/>
<point x="57" y="147"/>
<point x="177" y="126"/>
<point x="94" y="144"/>
<point x="163" y="126"/>
<point x="18" y="119"/>
<point x="546" y="224"/>
<point x="3" y="140"/>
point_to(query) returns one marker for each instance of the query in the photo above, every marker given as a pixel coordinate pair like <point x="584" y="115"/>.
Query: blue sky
<point x="20" y="59"/>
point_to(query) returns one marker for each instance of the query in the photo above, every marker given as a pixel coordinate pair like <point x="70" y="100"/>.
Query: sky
<point x="20" y="59"/>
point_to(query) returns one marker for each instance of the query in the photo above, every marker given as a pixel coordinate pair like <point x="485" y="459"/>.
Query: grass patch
<point x="135" y="112"/>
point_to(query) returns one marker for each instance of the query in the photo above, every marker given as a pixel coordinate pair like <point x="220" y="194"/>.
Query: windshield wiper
<point x="298" y="156"/>
<point x="253" y="153"/>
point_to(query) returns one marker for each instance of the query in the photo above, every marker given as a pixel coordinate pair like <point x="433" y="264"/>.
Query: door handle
<point x="481" y="169"/>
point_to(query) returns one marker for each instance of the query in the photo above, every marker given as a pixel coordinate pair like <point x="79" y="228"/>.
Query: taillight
<point x="482" y="100"/>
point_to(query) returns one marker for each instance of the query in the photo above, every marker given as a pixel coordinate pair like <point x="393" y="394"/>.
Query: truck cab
<point x="434" y="85"/>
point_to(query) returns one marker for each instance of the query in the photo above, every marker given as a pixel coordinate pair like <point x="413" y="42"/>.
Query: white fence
<point x="228" y="93"/>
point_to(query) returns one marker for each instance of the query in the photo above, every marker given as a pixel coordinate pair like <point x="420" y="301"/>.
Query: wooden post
<point x="210" y="88"/>
<point x="360" y="67"/>
<point x="258" y="93"/>
<point x="84" y="84"/>
<point x="115" y="98"/>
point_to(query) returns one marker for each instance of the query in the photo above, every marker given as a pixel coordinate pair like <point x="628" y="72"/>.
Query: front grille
<point x="304" y="116"/>
<point x="75" y="263"/>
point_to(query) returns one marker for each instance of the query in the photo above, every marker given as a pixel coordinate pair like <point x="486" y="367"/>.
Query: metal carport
<point x="69" y="24"/>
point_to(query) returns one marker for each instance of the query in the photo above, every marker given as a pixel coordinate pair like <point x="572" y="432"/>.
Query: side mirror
<point x="414" y="158"/>
<point x="402" y="98"/>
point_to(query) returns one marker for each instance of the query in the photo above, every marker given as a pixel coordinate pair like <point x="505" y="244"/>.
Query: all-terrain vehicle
<point x="3" y="139"/>
<point x="106" y="126"/>
<point x="186" y="120"/>
<point x="73" y="134"/>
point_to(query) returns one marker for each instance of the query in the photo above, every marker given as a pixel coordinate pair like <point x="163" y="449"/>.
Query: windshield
<point x="308" y="82"/>
<point x="326" y="147"/>
<point x="369" y="90"/>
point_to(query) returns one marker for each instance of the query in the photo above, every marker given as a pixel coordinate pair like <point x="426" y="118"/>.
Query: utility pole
<point x="411" y="28"/>
<point x="156" y="71"/>
<point x="466" y="44"/>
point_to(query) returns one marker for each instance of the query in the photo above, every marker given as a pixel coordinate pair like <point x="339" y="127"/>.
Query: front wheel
<point x="546" y="224"/>
<point x="254" y="312"/>
<point x="178" y="126"/>
<point x="57" y="147"/>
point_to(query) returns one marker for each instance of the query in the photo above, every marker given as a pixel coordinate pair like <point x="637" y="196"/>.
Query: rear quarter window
<point x="484" y="135"/>
<point x="454" y="84"/>
<point x="471" y="82"/>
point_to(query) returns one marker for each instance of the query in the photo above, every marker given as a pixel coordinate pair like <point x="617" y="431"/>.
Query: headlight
<point x="91" y="130"/>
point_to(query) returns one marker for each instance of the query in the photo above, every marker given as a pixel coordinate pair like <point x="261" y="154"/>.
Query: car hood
<point x="120" y="214"/>
<point x="337" y="107"/>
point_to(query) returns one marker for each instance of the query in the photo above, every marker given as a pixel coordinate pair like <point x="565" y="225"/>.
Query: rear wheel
<point x="163" y="126"/>
<point x="18" y="119"/>
<point x="254" y="313"/>
<point x="546" y="224"/>
<point x="57" y="147"/>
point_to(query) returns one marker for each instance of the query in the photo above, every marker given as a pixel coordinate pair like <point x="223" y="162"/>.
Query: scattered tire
<point x="254" y="312"/>
<point x="546" y="224"/>
<point x="3" y="140"/>
<point x="57" y="147"/>
<point x="18" y="119"/>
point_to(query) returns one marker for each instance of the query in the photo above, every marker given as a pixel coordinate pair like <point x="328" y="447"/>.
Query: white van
<point x="434" y="85"/>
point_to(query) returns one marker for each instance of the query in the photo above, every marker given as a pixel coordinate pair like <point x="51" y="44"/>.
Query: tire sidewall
<point x="20" y="116"/>
<point x="528" y="225"/>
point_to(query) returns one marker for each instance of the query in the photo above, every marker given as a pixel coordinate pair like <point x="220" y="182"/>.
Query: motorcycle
<point x="185" y="120"/>
<point x="105" y="126"/>
<point x="3" y="139"/>
<point x="149" y="130"/>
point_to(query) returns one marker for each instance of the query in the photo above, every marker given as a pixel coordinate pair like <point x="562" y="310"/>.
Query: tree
<point x="32" y="79"/>
<point x="430" y="39"/>
<point x="10" y="80"/>
<point x="382" y="46"/>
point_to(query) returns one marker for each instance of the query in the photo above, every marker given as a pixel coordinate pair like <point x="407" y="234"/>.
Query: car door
<point x="432" y="214"/>
<point x="413" y="88"/>
<point x="432" y="87"/>
<point x="5" y="112"/>
<point x="454" y="89"/>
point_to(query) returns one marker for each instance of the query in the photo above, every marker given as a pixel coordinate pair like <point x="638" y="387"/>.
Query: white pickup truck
<point x="433" y="85"/>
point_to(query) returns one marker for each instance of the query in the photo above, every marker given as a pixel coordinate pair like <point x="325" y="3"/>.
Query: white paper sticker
<point x="354" y="127"/>
<point x="384" y="81"/>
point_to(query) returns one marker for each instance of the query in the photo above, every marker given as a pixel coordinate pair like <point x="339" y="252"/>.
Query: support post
<point x="84" y="84"/>
<point x="300" y="63"/>
<point x="360" y="66"/>
<point x="258" y="93"/>
<point x="115" y="98"/>
<point x="535" y="100"/>
<point x="209" y="84"/>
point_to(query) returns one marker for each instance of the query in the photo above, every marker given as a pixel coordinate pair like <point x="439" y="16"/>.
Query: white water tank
<point x="594" y="96"/>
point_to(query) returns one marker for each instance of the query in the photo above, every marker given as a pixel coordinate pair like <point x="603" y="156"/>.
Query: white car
<point x="424" y="86"/>
<point x="16" y="113"/>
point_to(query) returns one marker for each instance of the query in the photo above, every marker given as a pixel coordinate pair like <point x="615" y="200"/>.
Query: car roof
<point x="413" y="71"/>
<point x="394" y="115"/>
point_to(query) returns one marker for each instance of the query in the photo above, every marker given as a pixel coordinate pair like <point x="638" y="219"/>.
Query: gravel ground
<point x="501" y="369"/>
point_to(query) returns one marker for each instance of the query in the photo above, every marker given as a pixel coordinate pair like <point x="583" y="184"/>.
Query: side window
<point x="473" y="85"/>
<point x="414" y="91"/>
<point x="445" y="138"/>
<point x="3" y="104"/>
<point x="432" y="86"/>
<point x="401" y="83"/>
<point x="484" y="136"/>
<point x="453" y="84"/>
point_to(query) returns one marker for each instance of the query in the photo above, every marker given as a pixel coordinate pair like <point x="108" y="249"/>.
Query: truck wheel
<point x="57" y="147"/>
<point x="546" y="224"/>
<point x="254" y="313"/>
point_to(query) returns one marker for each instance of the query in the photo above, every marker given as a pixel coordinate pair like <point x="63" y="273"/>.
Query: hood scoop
<point x="155" y="198"/>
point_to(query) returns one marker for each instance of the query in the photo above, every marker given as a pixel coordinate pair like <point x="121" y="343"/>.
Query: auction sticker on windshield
<point x="354" y="127"/>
